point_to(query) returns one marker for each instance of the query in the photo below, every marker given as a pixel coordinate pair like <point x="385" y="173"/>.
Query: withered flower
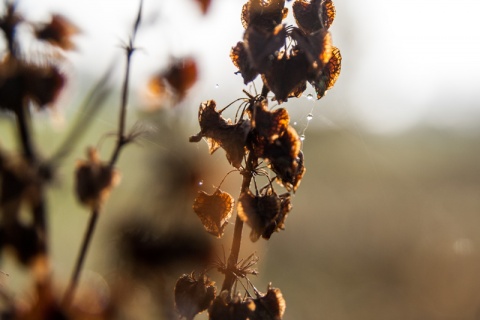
<point x="270" y="306"/>
<point x="94" y="180"/>
<point x="193" y="296"/>
<point x="214" y="210"/>
<point x="222" y="133"/>
<point x="285" y="72"/>
<point x="20" y="81"/>
<point x="265" y="213"/>
<point x="58" y="32"/>
<point x="263" y="14"/>
<point x="311" y="16"/>
<point x="178" y="78"/>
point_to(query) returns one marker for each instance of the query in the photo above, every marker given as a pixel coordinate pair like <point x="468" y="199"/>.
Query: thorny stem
<point x="121" y="142"/>
<point x="230" y="277"/>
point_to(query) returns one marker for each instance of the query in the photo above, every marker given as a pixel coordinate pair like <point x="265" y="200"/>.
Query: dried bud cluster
<point x="288" y="57"/>
<point x="193" y="296"/>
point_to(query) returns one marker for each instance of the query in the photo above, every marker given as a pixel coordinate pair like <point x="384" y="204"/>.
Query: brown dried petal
<point x="94" y="180"/>
<point x="259" y="212"/>
<point x="313" y="15"/>
<point x="286" y="77"/>
<point x="263" y="46"/>
<point x="263" y="14"/>
<point x="214" y="210"/>
<point x="193" y="296"/>
<point x="240" y="59"/>
<point x="285" y="158"/>
<point x="329" y="75"/>
<point x="58" y="32"/>
<point x="271" y="306"/>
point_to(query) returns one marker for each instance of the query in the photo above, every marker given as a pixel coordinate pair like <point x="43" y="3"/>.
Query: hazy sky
<point x="404" y="62"/>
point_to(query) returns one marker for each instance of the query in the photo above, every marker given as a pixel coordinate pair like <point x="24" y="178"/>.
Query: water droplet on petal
<point x="310" y="96"/>
<point x="309" y="116"/>
<point x="302" y="137"/>
<point x="200" y="183"/>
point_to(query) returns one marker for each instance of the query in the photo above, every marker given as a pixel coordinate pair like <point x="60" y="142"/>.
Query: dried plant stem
<point x="230" y="277"/>
<point x="39" y="207"/>
<point x="67" y="298"/>
<point x="121" y="142"/>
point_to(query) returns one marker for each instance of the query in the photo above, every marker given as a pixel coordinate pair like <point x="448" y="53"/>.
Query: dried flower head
<point x="214" y="210"/>
<point x="58" y="32"/>
<point x="270" y="306"/>
<point x="222" y="133"/>
<point x="193" y="296"/>
<point x="94" y="180"/>
<point x="265" y="213"/>
<point x="313" y="15"/>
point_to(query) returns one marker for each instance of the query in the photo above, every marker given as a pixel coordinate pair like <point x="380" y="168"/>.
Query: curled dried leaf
<point x="94" y="180"/>
<point x="214" y="210"/>
<point x="193" y="296"/>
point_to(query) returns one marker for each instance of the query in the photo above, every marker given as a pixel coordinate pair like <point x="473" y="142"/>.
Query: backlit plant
<point x="260" y="142"/>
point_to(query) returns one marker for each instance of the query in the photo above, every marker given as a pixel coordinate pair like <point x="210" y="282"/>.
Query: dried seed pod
<point x="193" y="296"/>
<point x="263" y="14"/>
<point x="329" y="75"/>
<point x="270" y="306"/>
<point x="94" y="180"/>
<point x="313" y="15"/>
<point x="214" y="210"/>
<point x="57" y="32"/>
<point x="265" y="214"/>
<point x="221" y="133"/>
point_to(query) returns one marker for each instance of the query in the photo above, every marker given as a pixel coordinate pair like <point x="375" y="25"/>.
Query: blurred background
<point x="386" y="222"/>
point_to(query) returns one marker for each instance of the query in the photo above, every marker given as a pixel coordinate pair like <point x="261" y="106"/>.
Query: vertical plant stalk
<point x="122" y="140"/>
<point x="39" y="207"/>
<point x="230" y="276"/>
